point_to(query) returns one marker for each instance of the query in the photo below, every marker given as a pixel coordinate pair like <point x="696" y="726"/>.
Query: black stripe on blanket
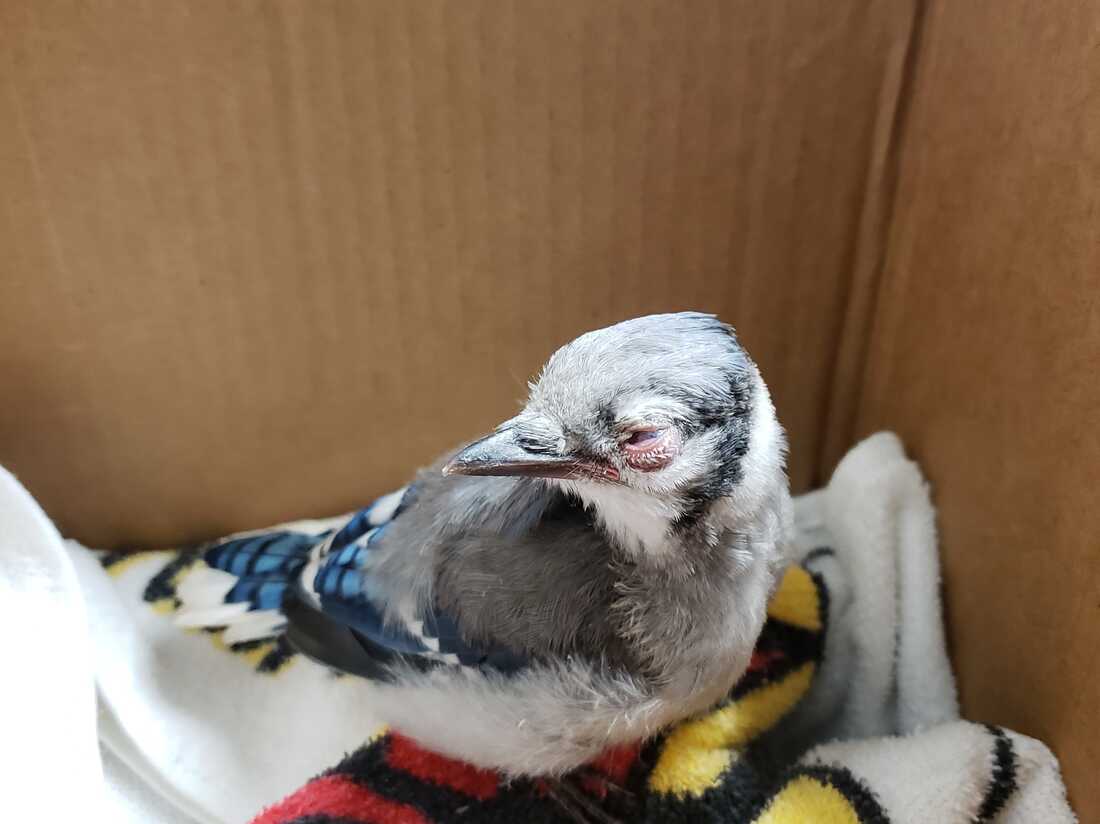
<point x="740" y="797"/>
<point x="163" y="585"/>
<point x="369" y="768"/>
<point x="858" y="794"/>
<point x="1002" y="780"/>
<point x="115" y="556"/>
<point x="820" y="552"/>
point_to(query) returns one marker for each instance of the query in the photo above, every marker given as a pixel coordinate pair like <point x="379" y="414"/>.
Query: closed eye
<point x="643" y="437"/>
<point x="650" y="449"/>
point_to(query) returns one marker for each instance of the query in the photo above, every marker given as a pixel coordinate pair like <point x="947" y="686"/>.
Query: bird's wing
<point x="244" y="582"/>
<point x="517" y="574"/>
<point x="547" y="592"/>
<point x="337" y="613"/>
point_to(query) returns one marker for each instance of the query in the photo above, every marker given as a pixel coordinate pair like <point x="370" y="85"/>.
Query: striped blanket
<point x="847" y="714"/>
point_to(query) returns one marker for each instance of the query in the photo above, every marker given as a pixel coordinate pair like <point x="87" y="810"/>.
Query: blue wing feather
<point x="269" y="565"/>
<point x="265" y="553"/>
<point x="344" y="592"/>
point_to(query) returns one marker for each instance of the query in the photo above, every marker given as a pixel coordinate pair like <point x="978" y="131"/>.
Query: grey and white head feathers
<point x="650" y="422"/>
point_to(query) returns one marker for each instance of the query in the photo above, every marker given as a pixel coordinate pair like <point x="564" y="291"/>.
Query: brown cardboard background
<point x="262" y="259"/>
<point x="985" y="356"/>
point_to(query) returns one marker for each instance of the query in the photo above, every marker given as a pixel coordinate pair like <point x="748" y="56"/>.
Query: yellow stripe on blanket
<point x="253" y="655"/>
<point x="805" y="799"/>
<point x="697" y="753"/>
<point x="121" y="564"/>
<point x="796" y="601"/>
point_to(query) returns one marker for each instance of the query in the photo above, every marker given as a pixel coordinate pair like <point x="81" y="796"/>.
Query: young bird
<point x="595" y="569"/>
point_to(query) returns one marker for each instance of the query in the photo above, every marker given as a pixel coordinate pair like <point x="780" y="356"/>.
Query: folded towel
<point x="49" y="763"/>
<point x="848" y="713"/>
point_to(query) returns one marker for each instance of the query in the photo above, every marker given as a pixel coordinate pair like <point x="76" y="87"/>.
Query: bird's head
<point x="649" y="422"/>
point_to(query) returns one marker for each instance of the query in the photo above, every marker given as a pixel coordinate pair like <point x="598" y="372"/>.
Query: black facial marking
<point x="734" y="415"/>
<point x="606" y="416"/>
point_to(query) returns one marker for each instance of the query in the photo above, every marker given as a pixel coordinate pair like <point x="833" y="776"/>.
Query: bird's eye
<point x="642" y="437"/>
<point x="649" y="449"/>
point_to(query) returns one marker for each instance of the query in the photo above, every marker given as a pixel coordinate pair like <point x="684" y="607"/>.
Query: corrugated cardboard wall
<point x="261" y="259"/>
<point x="986" y="356"/>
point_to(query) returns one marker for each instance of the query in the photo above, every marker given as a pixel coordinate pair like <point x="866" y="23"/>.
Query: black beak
<point x="500" y="455"/>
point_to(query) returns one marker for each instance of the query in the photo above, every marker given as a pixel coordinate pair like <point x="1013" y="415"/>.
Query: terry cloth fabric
<point x="848" y="713"/>
<point x="49" y="763"/>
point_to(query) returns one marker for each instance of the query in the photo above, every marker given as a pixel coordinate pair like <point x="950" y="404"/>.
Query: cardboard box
<point x="261" y="259"/>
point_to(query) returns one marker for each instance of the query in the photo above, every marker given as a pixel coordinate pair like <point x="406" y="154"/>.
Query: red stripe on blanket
<point x="337" y="796"/>
<point x="610" y="769"/>
<point x="762" y="659"/>
<point x="403" y="754"/>
<point x="616" y="763"/>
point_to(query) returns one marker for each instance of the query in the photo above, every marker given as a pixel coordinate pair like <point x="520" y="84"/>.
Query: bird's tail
<point x="242" y="584"/>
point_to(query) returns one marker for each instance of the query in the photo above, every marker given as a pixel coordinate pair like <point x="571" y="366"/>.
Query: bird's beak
<point x="499" y="454"/>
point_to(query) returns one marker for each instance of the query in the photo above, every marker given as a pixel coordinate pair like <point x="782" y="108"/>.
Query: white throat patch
<point x="636" y="521"/>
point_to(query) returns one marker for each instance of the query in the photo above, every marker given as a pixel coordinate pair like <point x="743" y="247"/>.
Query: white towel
<point x="194" y="732"/>
<point x="49" y="761"/>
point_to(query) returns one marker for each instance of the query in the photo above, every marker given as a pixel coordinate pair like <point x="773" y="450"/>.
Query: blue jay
<point x="590" y="572"/>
